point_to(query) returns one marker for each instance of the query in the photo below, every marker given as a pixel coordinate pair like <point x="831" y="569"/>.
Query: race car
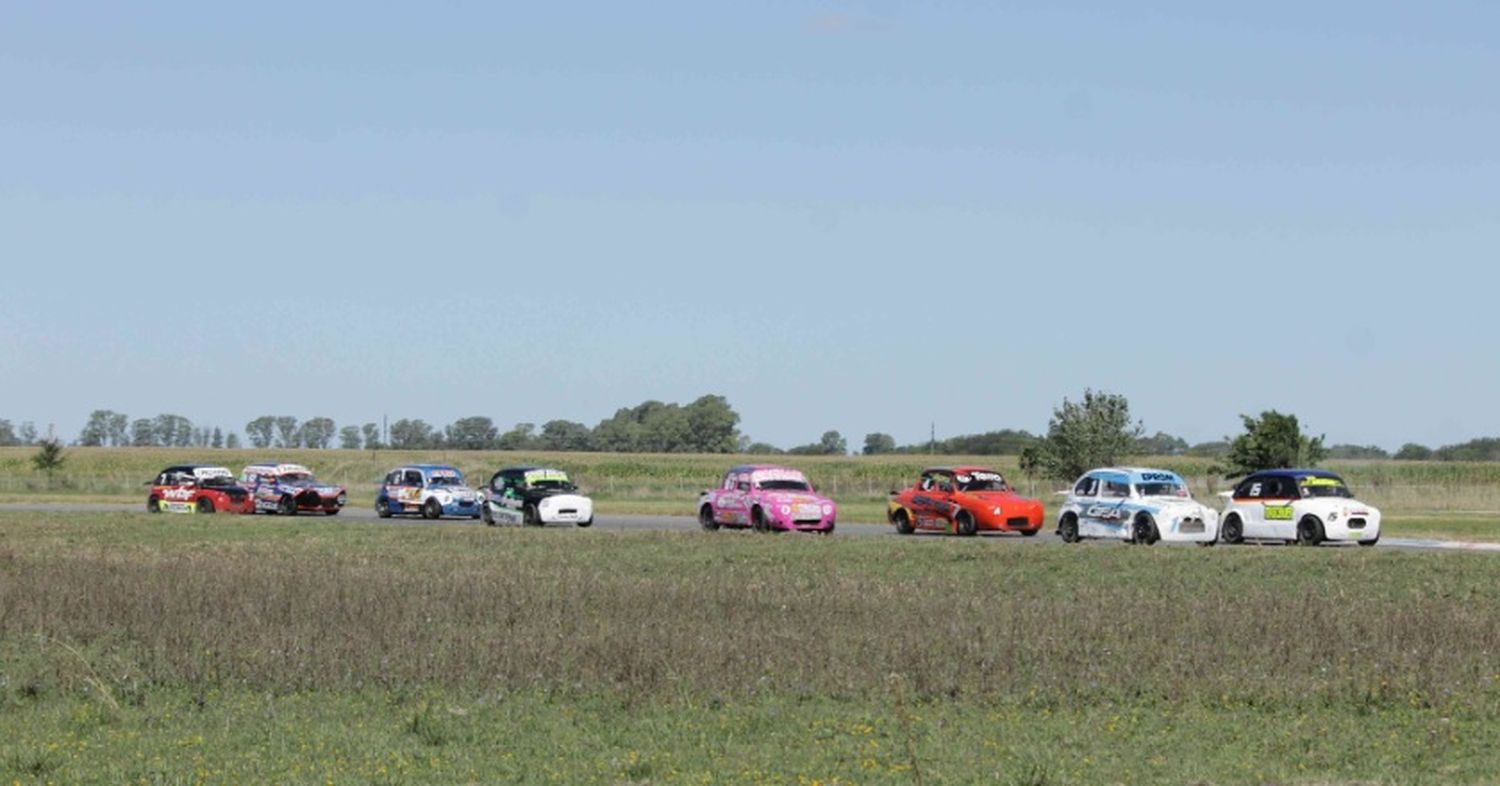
<point x="766" y="498"/>
<point x="433" y="490"/>
<point x="535" y="496"/>
<point x="1308" y="506"/>
<point x="290" y="488"/>
<point x="197" y="488"/>
<point x="1137" y="506"/>
<point x="963" y="501"/>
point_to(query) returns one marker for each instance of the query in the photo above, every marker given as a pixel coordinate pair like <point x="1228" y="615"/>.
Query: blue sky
<point x="863" y="217"/>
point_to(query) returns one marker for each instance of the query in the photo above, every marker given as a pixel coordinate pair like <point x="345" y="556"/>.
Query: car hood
<point x="794" y="498"/>
<point x="1177" y="506"/>
<point x="1000" y="498"/>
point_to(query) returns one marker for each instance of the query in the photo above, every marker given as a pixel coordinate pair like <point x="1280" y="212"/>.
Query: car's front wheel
<point x="431" y="509"/>
<point x="706" y="519"/>
<point x="758" y="521"/>
<point x="1145" y="531"/>
<point x="153" y="505"/>
<point x="530" y="516"/>
<point x="1067" y="529"/>
<point x="486" y="515"/>
<point x="205" y="505"/>
<point x="1233" y="531"/>
<point x="382" y="508"/>
<point x="1310" y="531"/>
<point x="903" y="523"/>
<point x="287" y="506"/>
<point x="965" y="525"/>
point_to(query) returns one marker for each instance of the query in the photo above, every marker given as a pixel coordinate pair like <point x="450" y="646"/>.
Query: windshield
<point x="298" y="479"/>
<point x="217" y="481"/>
<point x="552" y="483"/>
<point x="982" y="481"/>
<point x="1161" y="490"/>
<point x="784" y="485"/>
<point x="446" y="480"/>
<point x="1324" y="487"/>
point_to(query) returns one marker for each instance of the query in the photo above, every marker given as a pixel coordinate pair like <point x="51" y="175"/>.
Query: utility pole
<point x="932" y="440"/>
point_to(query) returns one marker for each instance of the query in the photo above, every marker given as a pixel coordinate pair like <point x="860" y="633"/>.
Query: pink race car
<point x="767" y="499"/>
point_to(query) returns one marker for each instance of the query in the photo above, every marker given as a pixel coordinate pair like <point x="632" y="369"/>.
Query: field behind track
<point x="1459" y="500"/>
<point x="141" y="649"/>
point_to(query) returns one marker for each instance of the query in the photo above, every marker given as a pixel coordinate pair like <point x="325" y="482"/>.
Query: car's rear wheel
<point x="382" y="508"/>
<point x="706" y="518"/>
<point x="153" y="505"/>
<point x="1145" y="530"/>
<point x="1310" y="531"/>
<point x="903" y="523"/>
<point x="205" y="505"/>
<point x="965" y="524"/>
<point x="1233" y="531"/>
<point x="486" y="514"/>
<point x="287" y="506"/>
<point x="431" y="509"/>
<point x="1067" y="529"/>
<point x="530" y="516"/>
<point x="758" y="521"/>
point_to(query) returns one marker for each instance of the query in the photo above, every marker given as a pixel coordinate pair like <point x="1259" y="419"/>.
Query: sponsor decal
<point x="765" y="475"/>
<point x="1159" y="477"/>
<point x="206" y="473"/>
<point x="1329" y="482"/>
<point x="1278" y="513"/>
<point x="546" y="475"/>
<point x="1108" y="513"/>
<point x="445" y="473"/>
<point x="178" y="494"/>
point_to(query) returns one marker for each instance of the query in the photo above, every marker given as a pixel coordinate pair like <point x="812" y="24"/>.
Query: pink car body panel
<point x="784" y="496"/>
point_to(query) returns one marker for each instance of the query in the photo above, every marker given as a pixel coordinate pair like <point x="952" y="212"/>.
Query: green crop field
<point x="141" y="649"/>
<point x="1420" y="499"/>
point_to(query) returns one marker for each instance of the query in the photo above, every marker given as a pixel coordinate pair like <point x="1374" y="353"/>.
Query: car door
<point x="1086" y="497"/>
<point x="1249" y="502"/>
<point x="734" y="503"/>
<point x="1277" y="512"/>
<point x="933" y="503"/>
<point x="412" y="487"/>
<point x="391" y="486"/>
<point x="1110" y="513"/>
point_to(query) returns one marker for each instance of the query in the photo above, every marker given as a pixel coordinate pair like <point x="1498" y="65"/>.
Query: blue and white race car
<point x="290" y="488"/>
<point x="433" y="490"/>
<point x="1137" y="506"/>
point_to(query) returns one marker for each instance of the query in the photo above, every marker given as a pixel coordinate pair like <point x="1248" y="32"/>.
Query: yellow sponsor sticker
<point x="1278" y="513"/>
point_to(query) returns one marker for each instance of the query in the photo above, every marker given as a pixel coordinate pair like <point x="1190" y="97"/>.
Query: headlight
<point x="343" y="498"/>
<point x="786" y="510"/>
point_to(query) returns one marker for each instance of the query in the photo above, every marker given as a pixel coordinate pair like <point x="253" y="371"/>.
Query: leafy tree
<point x="522" y="437"/>
<point x="1214" y="449"/>
<point x="143" y="433"/>
<point x="317" y="433"/>
<point x="28" y="433"/>
<point x="232" y="442"/>
<point x="762" y="449"/>
<point x="1094" y="432"/>
<point x="50" y="458"/>
<point x="349" y="438"/>
<point x="712" y="426"/>
<point x="1273" y="441"/>
<point x="287" y="434"/>
<point x="173" y="431"/>
<point x="217" y="440"/>
<point x="1006" y="442"/>
<point x="96" y="430"/>
<point x="473" y="433"/>
<point x="832" y="443"/>
<point x="1411" y="451"/>
<point x="566" y="435"/>
<point x="119" y="429"/>
<point x="260" y="431"/>
<point x="410" y="434"/>
<point x="372" y="436"/>
<point x="8" y="434"/>
<point x="1485" y="449"/>
<point x="1160" y="444"/>
<point x="878" y="444"/>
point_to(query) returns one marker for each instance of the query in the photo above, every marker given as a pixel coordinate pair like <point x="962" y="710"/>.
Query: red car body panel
<point x="935" y="503"/>
<point x="192" y="488"/>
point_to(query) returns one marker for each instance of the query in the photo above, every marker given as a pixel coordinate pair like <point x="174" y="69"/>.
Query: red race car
<point x="198" y="488"/>
<point x="964" y="501"/>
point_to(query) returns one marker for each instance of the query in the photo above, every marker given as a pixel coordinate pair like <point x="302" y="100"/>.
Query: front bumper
<point x="565" y="509"/>
<point x="1353" y="529"/>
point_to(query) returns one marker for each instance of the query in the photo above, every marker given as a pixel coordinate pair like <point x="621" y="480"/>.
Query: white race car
<point x="1136" y="506"/>
<point x="1308" y="506"/>
<point x="535" y="496"/>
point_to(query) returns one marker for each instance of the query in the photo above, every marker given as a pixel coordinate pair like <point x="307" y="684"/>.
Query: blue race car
<point x="288" y="489"/>
<point x="433" y="490"/>
<point x="1136" y="505"/>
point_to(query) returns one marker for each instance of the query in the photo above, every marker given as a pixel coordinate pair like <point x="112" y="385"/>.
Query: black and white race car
<point x="536" y="496"/>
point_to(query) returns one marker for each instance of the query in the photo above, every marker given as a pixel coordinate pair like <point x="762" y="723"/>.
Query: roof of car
<point x="1294" y="474"/>
<point x="430" y="467"/>
<point x="531" y="468"/>
<point x="760" y="467"/>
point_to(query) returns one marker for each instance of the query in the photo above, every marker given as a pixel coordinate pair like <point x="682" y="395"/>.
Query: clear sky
<point x="863" y="217"/>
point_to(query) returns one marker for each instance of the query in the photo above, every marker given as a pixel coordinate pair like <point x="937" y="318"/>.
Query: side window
<point x="1284" y="488"/>
<point x="743" y="484"/>
<point x="413" y="478"/>
<point x="1116" y="490"/>
<point x="393" y="478"/>
<point x="944" y="482"/>
<point x="728" y="484"/>
<point x="926" y="484"/>
<point x="1088" y="486"/>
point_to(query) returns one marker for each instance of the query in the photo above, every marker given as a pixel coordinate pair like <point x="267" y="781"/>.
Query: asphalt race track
<point x="629" y="523"/>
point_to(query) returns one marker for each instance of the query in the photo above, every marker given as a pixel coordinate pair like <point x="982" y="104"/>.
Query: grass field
<point x="138" y="649"/>
<point x="1420" y="499"/>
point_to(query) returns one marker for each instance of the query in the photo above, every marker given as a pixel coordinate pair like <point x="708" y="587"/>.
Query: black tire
<point x="1145" y="531"/>
<point x="706" y="519"/>
<point x="431" y="509"/>
<point x="903" y="523"/>
<point x="153" y="504"/>
<point x="1310" y="531"/>
<point x="965" y="524"/>
<point x="758" y="520"/>
<point x="530" y="517"/>
<point x="486" y="515"/>
<point x="287" y="506"/>
<point x="383" y="508"/>
<point x="1067" y="529"/>
<point x="205" y="505"/>
<point x="1233" y="530"/>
